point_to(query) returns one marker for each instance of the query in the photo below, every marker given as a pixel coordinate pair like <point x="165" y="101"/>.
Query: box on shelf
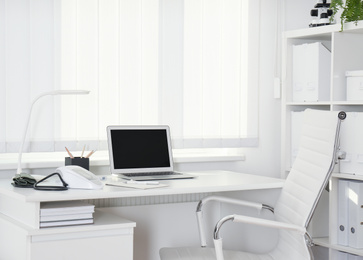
<point x="296" y="126"/>
<point x="311" y="72"/>
<point x="354" y="85"/>
<point x="351" y="142"/>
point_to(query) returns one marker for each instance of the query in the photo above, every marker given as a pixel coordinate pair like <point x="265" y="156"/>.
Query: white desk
<point x="19" y="212"/>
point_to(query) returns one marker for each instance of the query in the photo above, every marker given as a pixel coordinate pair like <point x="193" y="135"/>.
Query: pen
<point x="70" y="155"/>
<point x="143" y="182"/>
<point x="92" y="152"/>
<point x="83" y="151"/>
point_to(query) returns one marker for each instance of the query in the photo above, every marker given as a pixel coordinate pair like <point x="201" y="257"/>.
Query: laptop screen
<point x="139" y="149"/>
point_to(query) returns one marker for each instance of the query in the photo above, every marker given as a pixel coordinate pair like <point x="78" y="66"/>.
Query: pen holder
<point x="80" y="161"/>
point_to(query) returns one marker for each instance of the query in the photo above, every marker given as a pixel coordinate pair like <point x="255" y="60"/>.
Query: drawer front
<point x="106" y="247"/>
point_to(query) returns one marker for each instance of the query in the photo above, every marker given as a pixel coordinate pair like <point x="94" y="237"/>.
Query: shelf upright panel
<point x="291" y="38"/>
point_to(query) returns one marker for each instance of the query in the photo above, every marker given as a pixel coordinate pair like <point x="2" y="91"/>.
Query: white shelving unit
<point x="346" y="49"/>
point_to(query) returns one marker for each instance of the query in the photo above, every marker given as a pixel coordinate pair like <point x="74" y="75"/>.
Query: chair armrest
<point x="258" y="206"/>
<point x="254" y="221"/>
<point x="245" y="203"/>
<point x="275" y="224"/>
<point x="258" y="222"/>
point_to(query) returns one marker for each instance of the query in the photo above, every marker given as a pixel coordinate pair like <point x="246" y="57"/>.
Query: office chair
<point x="295" y="206"/>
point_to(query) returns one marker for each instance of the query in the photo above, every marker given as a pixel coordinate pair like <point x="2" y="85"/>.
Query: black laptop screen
<point x="140" y="148"/>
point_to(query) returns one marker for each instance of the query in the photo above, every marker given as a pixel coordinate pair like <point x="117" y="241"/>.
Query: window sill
<point x="8" y="161"/>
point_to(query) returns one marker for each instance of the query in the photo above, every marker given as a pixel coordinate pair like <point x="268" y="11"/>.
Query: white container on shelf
<point x="354" y="85"/>
<point x="296" y="125"/>
<point x="351" y="142"/>
<point x="311" y="72"/>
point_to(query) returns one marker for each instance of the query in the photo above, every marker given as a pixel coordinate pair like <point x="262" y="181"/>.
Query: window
<point x="190" y="64"/>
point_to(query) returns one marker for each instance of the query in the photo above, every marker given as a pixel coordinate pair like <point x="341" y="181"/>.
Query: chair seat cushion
<point x="206" y="253"/>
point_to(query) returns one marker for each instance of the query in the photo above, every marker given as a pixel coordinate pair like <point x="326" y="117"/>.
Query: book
<point x="343" y="212"/>
<point x="355" y="204"/>
<point x="66" y="223"/>
<point x="65" y="208"/>
<point x="66" y="217"/>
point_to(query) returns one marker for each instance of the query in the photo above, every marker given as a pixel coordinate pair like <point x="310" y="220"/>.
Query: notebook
<point x="141" y="153"/>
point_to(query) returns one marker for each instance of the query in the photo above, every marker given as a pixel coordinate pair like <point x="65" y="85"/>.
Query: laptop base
<point x="155" y="176"/>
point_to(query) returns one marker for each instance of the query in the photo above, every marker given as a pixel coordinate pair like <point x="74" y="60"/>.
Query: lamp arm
<point x="50" y="93"/>
<point x="19" y="170"/>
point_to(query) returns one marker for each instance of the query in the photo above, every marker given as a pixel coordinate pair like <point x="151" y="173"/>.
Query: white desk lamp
<point x="50" y="93"/>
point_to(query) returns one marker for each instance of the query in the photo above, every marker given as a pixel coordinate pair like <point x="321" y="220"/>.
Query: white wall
<point x="297" y="13"/>
<point x="264" y="160"/>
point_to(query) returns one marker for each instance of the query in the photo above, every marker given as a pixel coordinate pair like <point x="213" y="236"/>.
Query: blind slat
<point x="150" y="62"/>
<point x="66" y="106"/>
<point x="108" y="97"/>
<point x="41" y="128"/>
<point x="193" y="68"/>
<point x="87" y="68"/>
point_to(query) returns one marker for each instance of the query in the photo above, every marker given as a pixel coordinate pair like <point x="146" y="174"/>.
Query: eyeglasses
<point x="51" y="188"/>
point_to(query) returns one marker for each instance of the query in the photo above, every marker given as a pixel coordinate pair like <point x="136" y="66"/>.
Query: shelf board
<point x="317" y="103"/>
<point x="324" y="242"/>
<point x="318" y="33"/>
<point x="348" y="103"/>
<point x="102" y="221"/>
<point x="324" y="32"/>
<point x="348" y="176"/>
<point x="326" y="103"/>
<point x="351" y="27"/>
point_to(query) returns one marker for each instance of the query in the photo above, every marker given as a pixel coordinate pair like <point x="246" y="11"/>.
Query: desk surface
<point x="211" y="181"/>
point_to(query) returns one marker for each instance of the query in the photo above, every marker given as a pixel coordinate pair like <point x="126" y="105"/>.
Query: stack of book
<point x="66" y="213"/>
<point x="350" y="213"/>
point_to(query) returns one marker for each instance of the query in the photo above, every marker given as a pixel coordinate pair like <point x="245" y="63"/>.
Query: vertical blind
<point x="190" y="64"/>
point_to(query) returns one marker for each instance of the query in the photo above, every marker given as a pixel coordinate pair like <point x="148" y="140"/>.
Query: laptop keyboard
<point x="151" y="174"/>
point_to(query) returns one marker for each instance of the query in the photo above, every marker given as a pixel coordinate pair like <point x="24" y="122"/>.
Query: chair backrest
<point x="310" y="172"/>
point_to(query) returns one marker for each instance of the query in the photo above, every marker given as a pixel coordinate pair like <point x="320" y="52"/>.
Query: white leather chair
<point x="293" y="211"/>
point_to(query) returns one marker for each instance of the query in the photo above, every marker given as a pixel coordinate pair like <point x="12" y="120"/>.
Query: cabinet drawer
<point x="83" y="246"/>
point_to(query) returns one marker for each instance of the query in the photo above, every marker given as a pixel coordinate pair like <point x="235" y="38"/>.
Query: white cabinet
<point x="346" y="54"/>
<point x="110" y="237"/>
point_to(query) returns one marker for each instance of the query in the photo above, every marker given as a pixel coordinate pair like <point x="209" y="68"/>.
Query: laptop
<point x="141" y="153"/>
